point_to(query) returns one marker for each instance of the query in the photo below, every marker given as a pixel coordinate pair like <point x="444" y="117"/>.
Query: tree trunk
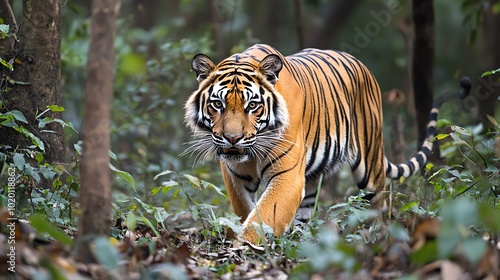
<point x="217" y="29"/>
<point x="95" y="190"/>
<point x="423" y="63"/>
<point x="271" y="26"/>
<point x="299" y="28"/>
<point x="145" y="13"/>
<point x="488" y="88"/>
<point x="405" y="27"/>
<point x="38" y="67"/>
<point x="335" y="16"/>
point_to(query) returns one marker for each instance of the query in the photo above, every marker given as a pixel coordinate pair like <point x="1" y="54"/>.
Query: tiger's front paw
<point x="251" y="235"/>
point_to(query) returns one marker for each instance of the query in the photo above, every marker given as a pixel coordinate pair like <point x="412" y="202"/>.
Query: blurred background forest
<point x="156" y="40"/>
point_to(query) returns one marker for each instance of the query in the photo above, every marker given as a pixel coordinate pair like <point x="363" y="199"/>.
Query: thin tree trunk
<point x="398" y="145"/>
<point x="488" y="88"/>
<point x="271" y="27"/>
<point x="423" y="62"/>
<point x="337" y="13"/>
<point x="299" y="28"/>
<point x="38" y="68"/>
<point x="95" y="190"/>
<point x="7" y="15"/>
<point x="145" y="13"/>
<point x="405" y="27"/>
<point x="217" y="29"/>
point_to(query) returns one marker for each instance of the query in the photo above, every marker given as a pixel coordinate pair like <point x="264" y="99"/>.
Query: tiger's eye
<point x="252" y="105"/>
<point x="217" y="104"/>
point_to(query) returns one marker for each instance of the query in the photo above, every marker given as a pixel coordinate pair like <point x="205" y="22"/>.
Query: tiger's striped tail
<point x="411" y="167"/>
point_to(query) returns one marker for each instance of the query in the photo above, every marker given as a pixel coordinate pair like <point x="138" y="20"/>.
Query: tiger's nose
<point x="233" y="138"/>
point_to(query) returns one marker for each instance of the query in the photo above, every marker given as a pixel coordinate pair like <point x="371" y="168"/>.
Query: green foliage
<point x="106" y="253"/>
<point x="43" y="226"/>
<point x="5" y="33"/>
<point x="328" y="251"/>
<point x="473" y="10"/>
<point x="490" y="72"/>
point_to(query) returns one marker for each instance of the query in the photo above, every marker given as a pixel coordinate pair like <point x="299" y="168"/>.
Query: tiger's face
<point x="236" y="112"/>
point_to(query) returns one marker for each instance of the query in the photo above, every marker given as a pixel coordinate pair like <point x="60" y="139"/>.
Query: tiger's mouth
<point x="232" y="151"/>
<point x="233" y="154"/>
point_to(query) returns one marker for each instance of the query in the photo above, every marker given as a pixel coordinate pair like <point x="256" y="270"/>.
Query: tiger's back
<point x="343" y="114"/>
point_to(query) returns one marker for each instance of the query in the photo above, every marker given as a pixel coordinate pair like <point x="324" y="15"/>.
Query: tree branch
<point x="11" y="14"/>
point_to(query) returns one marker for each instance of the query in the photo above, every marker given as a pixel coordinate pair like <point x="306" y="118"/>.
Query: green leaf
<point x="155" y="191"/>
<point x="458" y="141"/>
<point x="18" y="115"/>
<point x="124" y="175"/>
<point x="19" y="161"/>
<point x="165" y="187"/>
<point x="460" y="212"/>
<point x="28" y="170"/>
<point x="150" y="225"/>
<point x="232" y="222"/>
<point x="442" y="136"/>
<point x="3" y="157"/>
<point x="426" y="254"/>
<point x="492" y="119"/>
<point x="447" y="240"/>
<point x="490" y="217"/>
<point x="78" y="147"/>
<point x="206" y="184"/>
<point x="39" y="157"/>
<point x="473" y="249"/>
<point x="48" y="173"/>
<point x="429" y="166"/>
<point x="35" y="140"/>
<point x="105" y="253"/>
<point x="160" y="215"/>
<point x="162" y="173"/>
<point x="168" y="185"/>
<point x="43" y="122"/>
<point x="490" y="72"/>
<point x="131" y="221"/>
<point x="112" y="155"/>
<point x="461" y="130"/>
<point x="176" y="193"/>
<point x="42" y="225"/>
<point x="409" y="206"/>
<point x="4" y="28"/>
<point x="55" y="108"/>
<point x="195" y="182"/>
<point x="6" y="64"/>
<point x="149" y="209"/>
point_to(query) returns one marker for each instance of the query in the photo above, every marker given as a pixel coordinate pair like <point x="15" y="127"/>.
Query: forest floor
<point x="187" y="253"/>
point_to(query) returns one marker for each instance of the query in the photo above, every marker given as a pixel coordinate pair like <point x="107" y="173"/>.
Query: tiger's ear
<point x="270" y="67"/>
<point x="202" y="65"/>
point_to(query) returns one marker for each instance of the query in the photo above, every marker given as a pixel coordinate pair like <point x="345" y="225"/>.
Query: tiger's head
<point x="236" y="112"/>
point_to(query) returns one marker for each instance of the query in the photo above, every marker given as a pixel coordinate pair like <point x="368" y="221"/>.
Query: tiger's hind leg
<point x="369" y="174"/>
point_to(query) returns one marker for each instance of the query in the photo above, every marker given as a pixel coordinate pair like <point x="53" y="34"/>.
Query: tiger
<point x="281" y="122"/>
